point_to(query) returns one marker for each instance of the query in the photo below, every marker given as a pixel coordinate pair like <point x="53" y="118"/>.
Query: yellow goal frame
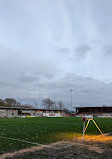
<point x="94" y="123"/>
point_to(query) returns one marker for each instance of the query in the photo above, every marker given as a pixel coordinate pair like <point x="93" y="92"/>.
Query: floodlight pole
<point x="71" y="90"/>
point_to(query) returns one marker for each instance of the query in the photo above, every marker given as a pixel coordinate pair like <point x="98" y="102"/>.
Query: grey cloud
<point x="63" y="53"/>
<point x="78" y="54"/>
<point x="36" y="80"/>
<point x="107" y="50"/>
<point x="22" y="72"/>
<point x="16" y="61"/>
<point x="82" y="51"/>
<point x="86" y="91"/>
<point x="64" y="50"/>
<point x="33" y="77"/>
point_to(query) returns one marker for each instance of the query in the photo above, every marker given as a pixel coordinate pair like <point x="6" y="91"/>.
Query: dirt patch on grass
<point x="62" y="149"/>
<point x="29" y="150"/>
<point x="90" y="148"/>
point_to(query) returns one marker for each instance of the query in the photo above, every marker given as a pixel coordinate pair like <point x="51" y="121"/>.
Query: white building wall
<point x="33" y="113"/>
<point x="57" y="114"/>
<point x="52" y="114"/>
<point x="46" y="114"/>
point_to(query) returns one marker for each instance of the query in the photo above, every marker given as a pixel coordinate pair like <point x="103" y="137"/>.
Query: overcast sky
<point x="48" y="47"/>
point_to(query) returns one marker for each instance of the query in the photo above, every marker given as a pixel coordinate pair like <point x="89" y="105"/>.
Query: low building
<point x="104" y="111"/>
<point x="27" y="112"/>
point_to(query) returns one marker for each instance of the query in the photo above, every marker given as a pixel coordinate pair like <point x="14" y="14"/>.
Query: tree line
<point x="47" y="104"/>
<point x="11" y="102"/>
<point x="50" y="104"/>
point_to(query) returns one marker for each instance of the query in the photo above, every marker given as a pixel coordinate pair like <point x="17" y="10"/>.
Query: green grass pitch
<point x="14" y="131"/>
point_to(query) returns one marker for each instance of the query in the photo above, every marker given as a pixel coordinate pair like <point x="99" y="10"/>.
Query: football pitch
<point x="21" y="133"/>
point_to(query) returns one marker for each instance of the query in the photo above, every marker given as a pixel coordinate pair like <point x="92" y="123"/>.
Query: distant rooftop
<point x="94" y="107"/>
<point x="24" y="108"/>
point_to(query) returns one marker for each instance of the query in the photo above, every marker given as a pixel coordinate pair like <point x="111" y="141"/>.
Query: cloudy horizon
<point x="48" y="47"/>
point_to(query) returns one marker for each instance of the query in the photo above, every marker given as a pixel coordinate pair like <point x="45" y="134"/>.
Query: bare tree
<point x="10" y="102"/>
<point x="60" y="105"/>
<point x="65" y="110"/>
<point x="48" y="103"/>
<point x="2" y="102"/>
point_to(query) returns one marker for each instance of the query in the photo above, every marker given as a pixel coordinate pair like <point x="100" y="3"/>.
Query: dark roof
<point x="21" y="108"/>
<point x="94" y="107"/>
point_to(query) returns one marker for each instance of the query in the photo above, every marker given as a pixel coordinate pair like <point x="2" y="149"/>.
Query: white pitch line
<point x="8" y="138"/>
<point x="35" y="124"/>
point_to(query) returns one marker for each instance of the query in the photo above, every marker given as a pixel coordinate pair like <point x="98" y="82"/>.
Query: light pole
<point x="71" y="90"/>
